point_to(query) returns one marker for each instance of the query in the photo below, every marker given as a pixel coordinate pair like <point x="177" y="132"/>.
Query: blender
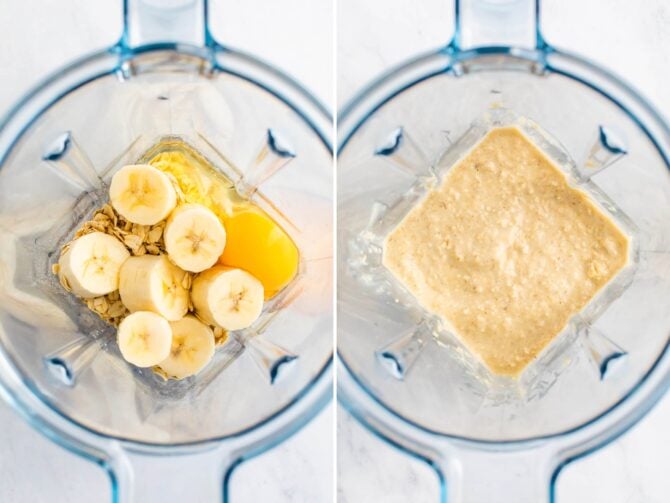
<point x="166" y="81"/>
<point x="406" y="376"/>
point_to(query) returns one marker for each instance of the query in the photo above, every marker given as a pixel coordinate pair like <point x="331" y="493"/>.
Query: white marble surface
<point x="631" y="38"/>
<point x="38" y="36"/>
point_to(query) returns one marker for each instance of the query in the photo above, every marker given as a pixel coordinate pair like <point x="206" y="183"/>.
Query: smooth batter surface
<point x="505" y="250"/>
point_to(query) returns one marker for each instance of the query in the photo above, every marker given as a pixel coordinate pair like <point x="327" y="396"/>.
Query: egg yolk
<point x="255" y="243"/>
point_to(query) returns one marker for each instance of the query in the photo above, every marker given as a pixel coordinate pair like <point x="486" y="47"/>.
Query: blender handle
<point x="499" y="476"/>
<point x="468" y="472"/>
<point x="177" y="474"/>
<point x="165" y="21"/>
<point x="485" y="23"/>
<point x="150" y="477"/>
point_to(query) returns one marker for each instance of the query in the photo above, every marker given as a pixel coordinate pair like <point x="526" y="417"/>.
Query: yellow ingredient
<point x="252" y="237"/>
<point x="254" y="241"/>
<point x="197" y="185"/>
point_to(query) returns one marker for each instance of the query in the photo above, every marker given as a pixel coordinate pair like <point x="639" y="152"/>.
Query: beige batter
<point x="505" y="250"/>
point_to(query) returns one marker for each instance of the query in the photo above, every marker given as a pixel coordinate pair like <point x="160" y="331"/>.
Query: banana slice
<point x="227" y="297"/>
<point x="192" y="348"/>
<point x="153" y="283"/>
<point x="90" y="265"/>
<point x="144" y="338"/>
<point x="142" y="194"/>
<point x="194" y="237"/>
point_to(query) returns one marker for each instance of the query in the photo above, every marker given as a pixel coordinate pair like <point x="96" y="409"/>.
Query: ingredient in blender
<point x="144" y="242"/>
<point x="167" y="220"/>
<point x="252" y="237"/>
<point x="138" y="240"/>
<point x="142" y="194"/>
<point x="194" y="237"/>
<point x="192" y="348"/>
<point x="227" y="297"/>
<point x="505" y="250"/>
<point x="254" y="241"/>
<point x="153" y="283"/>
<point x="197" y="181"/>
<point x="90" y="265"/>
<point x="144" y="338"/>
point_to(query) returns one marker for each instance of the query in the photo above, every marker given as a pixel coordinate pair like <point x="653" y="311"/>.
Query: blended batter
<point x="505" y="250"/>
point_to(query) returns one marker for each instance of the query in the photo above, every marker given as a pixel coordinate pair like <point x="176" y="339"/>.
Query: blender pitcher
<point x="166" y="80"/>
<point x="405" y="375"/>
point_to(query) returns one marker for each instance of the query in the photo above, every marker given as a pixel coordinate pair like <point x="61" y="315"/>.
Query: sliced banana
<point x="90" y="265"/>
<point x="192" y="348"/>
<point x="194" y="237"/>
<point x="153" y="283"/>
<point x="144" y="338"/>
<point x="142" y="194"/>
<point x="227" y="297"/>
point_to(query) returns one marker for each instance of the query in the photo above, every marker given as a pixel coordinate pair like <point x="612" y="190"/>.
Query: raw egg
<point x="257" y="244"/>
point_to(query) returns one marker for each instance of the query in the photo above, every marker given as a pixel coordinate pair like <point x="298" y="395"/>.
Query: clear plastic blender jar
<point x="406" y="376"/>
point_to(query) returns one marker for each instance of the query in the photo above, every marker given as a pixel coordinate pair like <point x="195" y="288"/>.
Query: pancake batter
<point x="505" y="250"/>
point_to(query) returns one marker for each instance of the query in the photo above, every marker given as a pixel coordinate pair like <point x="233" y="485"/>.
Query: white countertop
<point x="40" y="36"/>
<point x="632" y="39"/>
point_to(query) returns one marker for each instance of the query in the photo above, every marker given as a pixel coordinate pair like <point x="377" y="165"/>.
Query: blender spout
<point x="403" y="152"/>
<point x="605" y="354"/>
<point x="608" y="147"/>
<point x="69" y="161"/>
<point x="67" y="363"/>
<point x="398" y="356"/>
<point x="164" y="21"/>
<point x="273" y="155"/>
<point x="497" y="23"/>
<point x="273" y="360"/>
